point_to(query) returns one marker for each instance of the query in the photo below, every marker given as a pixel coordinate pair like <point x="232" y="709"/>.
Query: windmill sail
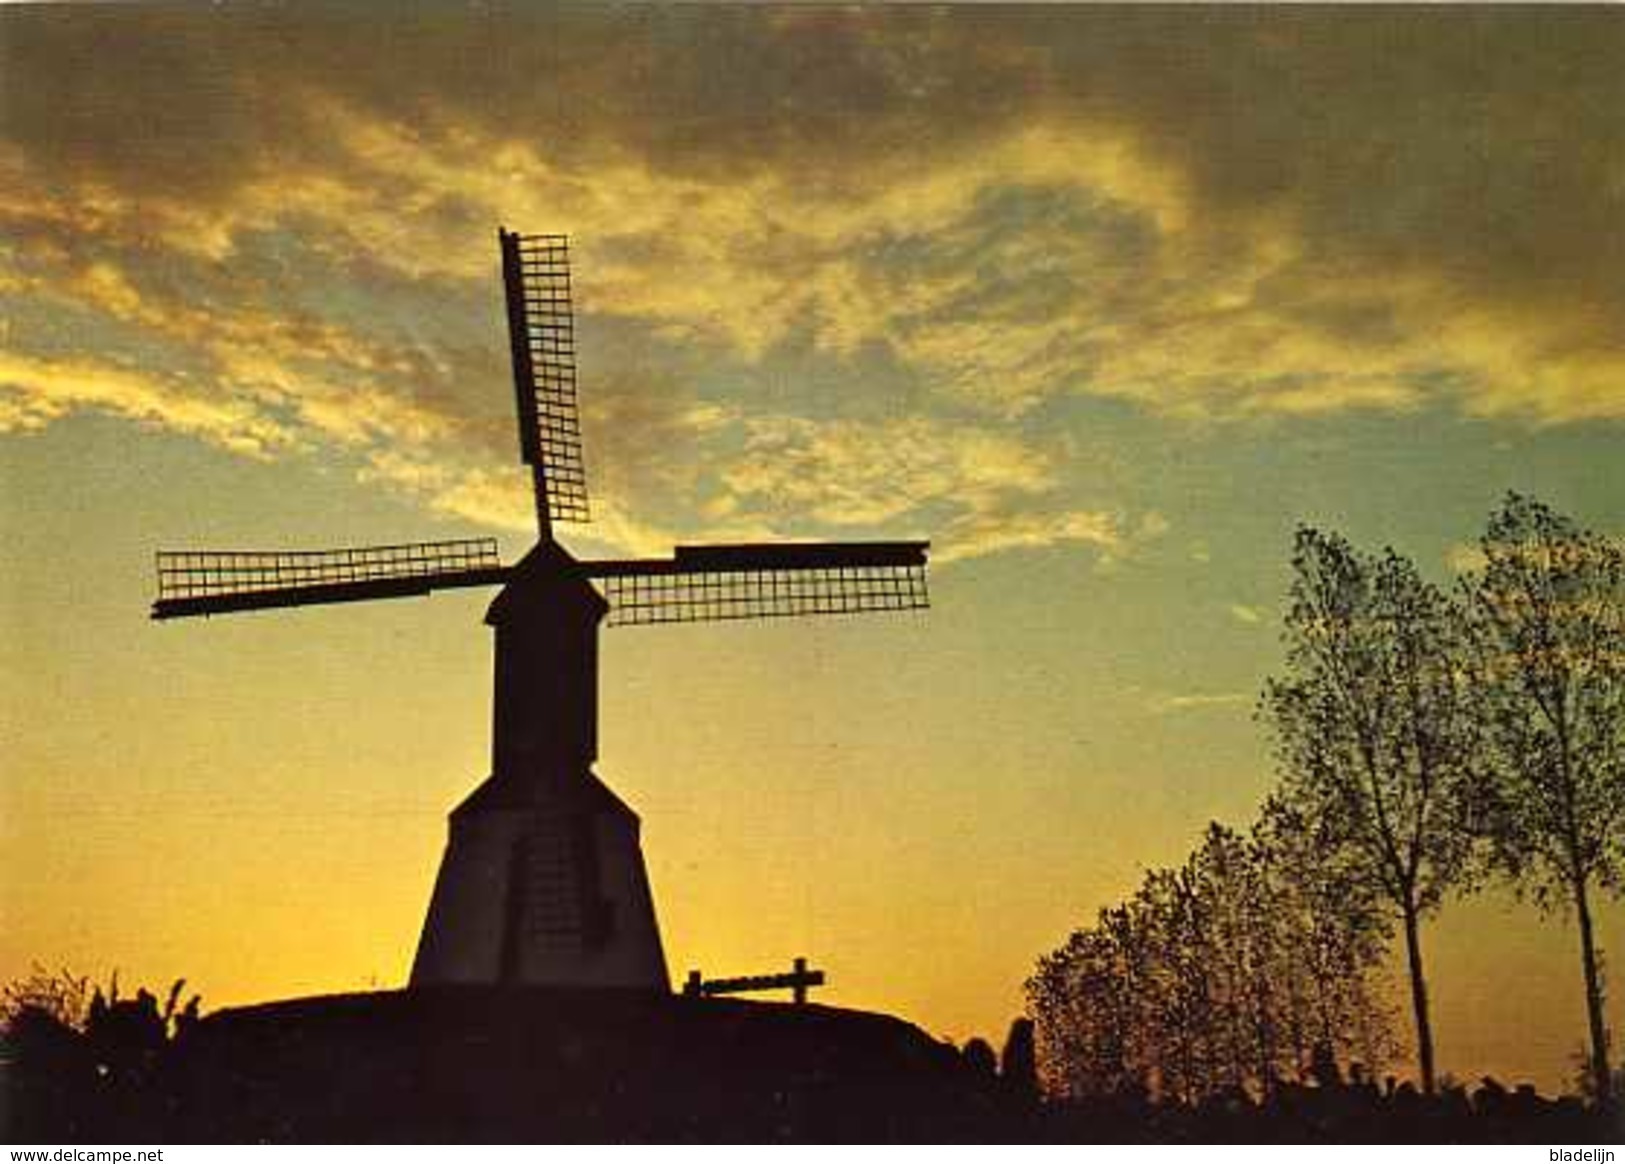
<point x="541" y="333"/>
<point x="204" y="582"/>
<point x="721" y="582"/>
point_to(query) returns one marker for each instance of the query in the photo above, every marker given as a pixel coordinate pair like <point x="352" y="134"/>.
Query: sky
<point x="1103" y="301"/>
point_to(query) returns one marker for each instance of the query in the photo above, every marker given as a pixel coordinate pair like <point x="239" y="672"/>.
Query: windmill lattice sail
<point x="720" y="582"/>
<point x="204" y="582"/>
<point x="541" y="330"/>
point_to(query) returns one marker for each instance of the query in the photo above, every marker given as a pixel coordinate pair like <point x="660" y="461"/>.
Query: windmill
<point x="543" y="879"/>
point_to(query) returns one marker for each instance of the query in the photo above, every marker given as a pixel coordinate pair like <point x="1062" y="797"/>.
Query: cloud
<point x="972" y="489"/>
<point x="503" y="500"/>
<point x="270" y="228"/>
<point x="34" y="392"/>
<point x="1109" y="533"/>
<point x="1168" y="704"/>
<point x="852" y="473"/>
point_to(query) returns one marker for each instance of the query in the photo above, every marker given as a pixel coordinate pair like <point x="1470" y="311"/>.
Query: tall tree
<point x="1547" y="614"/>
<point x="1227" y="972"/>
<point x="1089" y="1003"/>
<point x="1335" y="939"/>
<point x="1373" y="733"/>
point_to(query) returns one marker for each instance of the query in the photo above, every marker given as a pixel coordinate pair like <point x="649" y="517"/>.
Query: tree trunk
<point x="1599" y="1034"/>
<point x="1419" y="999"/>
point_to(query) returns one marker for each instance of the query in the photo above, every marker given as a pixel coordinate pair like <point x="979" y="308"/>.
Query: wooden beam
<point x="718" y="559"/>
<point x="332" y="592"/>
<point x="798" y="981"/>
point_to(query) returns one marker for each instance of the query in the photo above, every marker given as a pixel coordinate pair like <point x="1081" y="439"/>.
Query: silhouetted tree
<point x="1585" y="1080"/>
<point x="1248" y="949"/>
<point x="977" y="1054"/>
<point x="1089" y="1002"/>
<point x="84" y="1062"/>
<point x="48" y="1068"/>
<point x="1181" y="983"/>
<point x="1334" y="941"/>
<point x="1018" y="1062"/>
<point x="1373" y="732"/>
<point x="1547" y="617"/>
<point x="1214" y="980"/>
<point x="62" y="997"/>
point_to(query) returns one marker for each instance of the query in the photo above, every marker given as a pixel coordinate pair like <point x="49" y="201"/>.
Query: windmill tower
<point x="543" y="880"/>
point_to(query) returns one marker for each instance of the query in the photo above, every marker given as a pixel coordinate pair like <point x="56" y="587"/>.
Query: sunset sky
<point x="1102" y="301"/>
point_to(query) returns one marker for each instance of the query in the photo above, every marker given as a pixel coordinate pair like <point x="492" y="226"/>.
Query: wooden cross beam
<point x="797" y="981"/>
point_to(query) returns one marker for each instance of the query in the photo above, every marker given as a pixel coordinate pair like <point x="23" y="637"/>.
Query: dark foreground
<point x="484" y="1065"/>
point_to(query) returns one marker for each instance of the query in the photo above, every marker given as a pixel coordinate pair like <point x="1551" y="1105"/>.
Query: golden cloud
<point x="1215" y="215"/>
<point x="35" y="391"/>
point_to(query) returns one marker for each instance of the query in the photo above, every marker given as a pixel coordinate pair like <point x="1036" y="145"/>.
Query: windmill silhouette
<point x="543" y="879"/>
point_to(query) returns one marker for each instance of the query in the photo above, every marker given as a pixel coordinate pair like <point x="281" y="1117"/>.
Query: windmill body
<point x="543" y="880"/>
